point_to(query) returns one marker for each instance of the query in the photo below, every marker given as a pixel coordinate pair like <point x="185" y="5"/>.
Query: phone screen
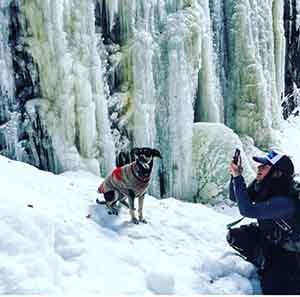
<point x="236" y="156"/>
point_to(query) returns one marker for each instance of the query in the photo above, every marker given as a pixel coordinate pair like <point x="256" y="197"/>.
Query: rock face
<point x="23" y="133"/>
<point x="84" y="80"/>
<point x="292" y="58"/>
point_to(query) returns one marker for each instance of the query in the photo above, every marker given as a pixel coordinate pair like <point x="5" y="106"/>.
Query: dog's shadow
<point x="99" y="214"/>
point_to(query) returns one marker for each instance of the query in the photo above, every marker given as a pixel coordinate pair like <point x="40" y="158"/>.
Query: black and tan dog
<point x="130" y="180"/>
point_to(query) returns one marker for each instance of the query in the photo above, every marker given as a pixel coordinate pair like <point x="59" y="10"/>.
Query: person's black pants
<point x="278" y="269"/>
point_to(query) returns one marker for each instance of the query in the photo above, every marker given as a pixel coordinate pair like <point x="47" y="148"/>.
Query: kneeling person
<point x="272" y="200"/>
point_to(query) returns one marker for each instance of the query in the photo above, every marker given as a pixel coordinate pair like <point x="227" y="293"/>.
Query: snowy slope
<point x="53" y="248"/>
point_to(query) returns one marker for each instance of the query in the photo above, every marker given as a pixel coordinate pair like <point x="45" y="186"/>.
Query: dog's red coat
<point x="117" y="173"/>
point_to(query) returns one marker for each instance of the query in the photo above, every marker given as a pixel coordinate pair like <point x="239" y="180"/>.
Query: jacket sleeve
<point x="231" y="191"/>
<point x="274" y="208"/>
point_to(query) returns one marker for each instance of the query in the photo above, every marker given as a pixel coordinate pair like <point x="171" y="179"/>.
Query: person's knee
<point x="229" y="237"/>
<point x="246" y="241"/>
<point x="236" y="236"/>
<point x="243" y="234"/>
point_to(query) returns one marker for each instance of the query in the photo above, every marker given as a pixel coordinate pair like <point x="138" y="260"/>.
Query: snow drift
<point x="48" y="246"/>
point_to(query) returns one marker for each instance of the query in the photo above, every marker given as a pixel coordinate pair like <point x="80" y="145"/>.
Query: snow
<point x="52" y="248"/>
<point x="49" y="246"/>
<point x="213" y="146"/>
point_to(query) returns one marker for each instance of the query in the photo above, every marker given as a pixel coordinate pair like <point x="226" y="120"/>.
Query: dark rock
<point x="33" y="144"/>
<point x="102" y="21"/>
<point x="292" y="59"/>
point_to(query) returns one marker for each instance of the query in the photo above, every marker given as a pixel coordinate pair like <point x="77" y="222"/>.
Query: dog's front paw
<point x="143" y="220"/>
<point x="135" y="221"/>
<point x="113" y="211"/>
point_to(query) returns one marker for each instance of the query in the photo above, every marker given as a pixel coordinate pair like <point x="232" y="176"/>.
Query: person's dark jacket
<point x="274" y="214"/>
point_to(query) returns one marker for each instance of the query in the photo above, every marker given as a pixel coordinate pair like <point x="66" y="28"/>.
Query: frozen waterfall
<point x="8" y="123"/>
<point x="67" y="49"/>
<point x="255" y="67"/>
<point x="103" y="76"/>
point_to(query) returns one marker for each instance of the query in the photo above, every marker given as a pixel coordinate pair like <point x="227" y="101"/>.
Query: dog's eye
<point x="145" y="159"/>
<point x="147" y="152"/>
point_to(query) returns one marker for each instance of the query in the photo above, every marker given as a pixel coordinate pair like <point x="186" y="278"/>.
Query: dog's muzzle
<point x="145" y="161"/>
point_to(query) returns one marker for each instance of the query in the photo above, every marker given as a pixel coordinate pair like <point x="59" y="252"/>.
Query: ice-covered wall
<point x="197" y="61"/>
<point x="23" y="133"/>
<point x="167" y="72"/>
<point x="109" y="75"/>
<point x="255" y="67"/>
<point x="8" y="127"/>
<point x="64" y="43"/>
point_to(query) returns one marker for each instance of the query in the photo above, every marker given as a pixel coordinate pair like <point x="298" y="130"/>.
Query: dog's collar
<point x="137" y="176"/>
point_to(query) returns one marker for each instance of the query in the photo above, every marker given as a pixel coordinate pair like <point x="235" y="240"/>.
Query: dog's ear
<point x="156" y="153"/>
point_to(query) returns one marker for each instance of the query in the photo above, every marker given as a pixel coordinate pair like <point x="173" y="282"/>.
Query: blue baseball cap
<point x="279" y="161"/>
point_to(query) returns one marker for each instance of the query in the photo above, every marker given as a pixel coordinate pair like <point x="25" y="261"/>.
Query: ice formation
<point x="104" y="76"/>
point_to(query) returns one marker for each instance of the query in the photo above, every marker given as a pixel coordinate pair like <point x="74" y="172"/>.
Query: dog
<point x="130" y="181"/>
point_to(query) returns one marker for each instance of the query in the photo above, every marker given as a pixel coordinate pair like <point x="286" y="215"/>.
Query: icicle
<point x="297" y="15"/>
<point x="180" y="95"/>
<point x="112" y="7"/>
<point x="256" y="74"/>
<point x="279" y="50"/>
<point x="144" y="90"/>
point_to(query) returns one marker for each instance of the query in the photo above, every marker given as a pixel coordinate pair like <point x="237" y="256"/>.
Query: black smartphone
<point x="236" y="156"/>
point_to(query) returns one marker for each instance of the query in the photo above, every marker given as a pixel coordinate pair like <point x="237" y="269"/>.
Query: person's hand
<point x="235" y="169"/>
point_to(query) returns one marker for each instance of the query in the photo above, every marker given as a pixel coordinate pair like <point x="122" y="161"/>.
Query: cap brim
<point x="262" y="160"/>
